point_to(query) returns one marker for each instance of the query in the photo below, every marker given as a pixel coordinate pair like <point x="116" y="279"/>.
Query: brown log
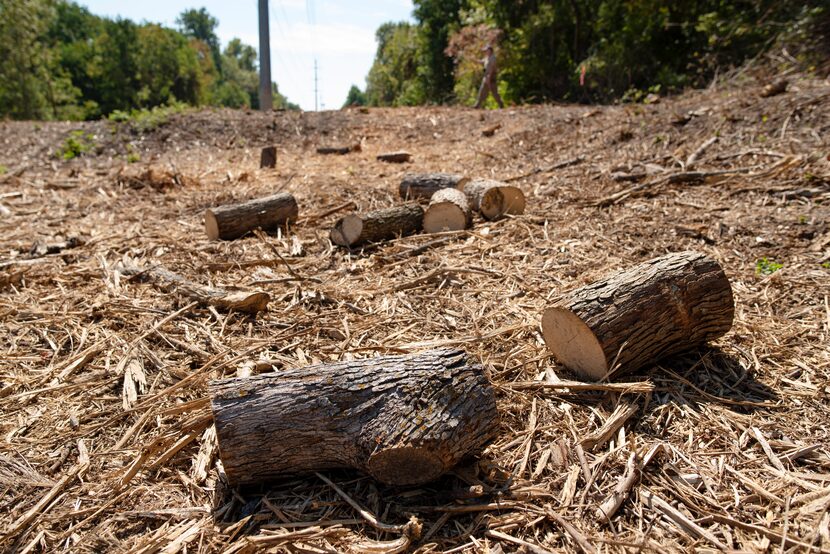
<point x="224" y="299"/>
<point x="395" y="157"/>
<point x="402" y="419"/>
<point x="338" y="150"/>
<point x="491" y="130"/>
<point x="658" y="308"/>
<point x="776" y="88"/>
<point x="379" y="225"/>
<point x="424" y="185"/>
<point x="448" y="210"/>
<point x="268" y="157"/>
<point x="494" y="199"/>
<point x="235" y="220"/>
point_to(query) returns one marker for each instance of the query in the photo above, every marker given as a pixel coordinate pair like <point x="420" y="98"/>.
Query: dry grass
<point x="107" y="439"/>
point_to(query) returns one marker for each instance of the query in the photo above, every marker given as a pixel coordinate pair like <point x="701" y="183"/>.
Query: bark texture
<point x="241" y="301"/>
<point x="494" y="199"/>
<point x="448" y="210"/>
<point x="424" y="185"/>
<point x="235" y="220"/>
<point x="379" y="225"/>
<point x="268" y="157"/>
<point x="338" y="150"/>
<point x="395" y="157"/>
<point x="403" y="419"/>
<point x="658" y="308"/>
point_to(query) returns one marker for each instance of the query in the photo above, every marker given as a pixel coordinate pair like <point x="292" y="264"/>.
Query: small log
<point x="395" y="157"/>
<point x="658" y="308"/>
<point x="494" y="198"/>
<point x="379" y="225"/>
<point x="338" y="150"/>
<point x="235" y="220"/>
<point x="448" y="210"/>
<point x="424" y="185"/>
<point x="268" y="157"/>
<point x="491" y="130"/>
<point x="776" y="88"/>
<point x="404" y="420"/>
<point x="223" y="299"/>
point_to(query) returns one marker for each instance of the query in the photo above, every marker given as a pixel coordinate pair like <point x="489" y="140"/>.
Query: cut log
<point x="424" y="185"/>
<point x="268" y="157"/>
<point x="491" y="130"/>
<point x="494" y="198"/>
<point x="235" y="220"/>
<point x="448" y="210"/>
<point x="223" y="299"/>
<point x="338" y="150"/>
<point x="404" y="420"/>
<point x="658" y="308"/>
<point x="395" y="157"/>
<point x="379" y="225"/>
<point x="776" y="88"/>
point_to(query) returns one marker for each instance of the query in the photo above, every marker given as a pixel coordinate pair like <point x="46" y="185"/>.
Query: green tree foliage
<point x="356" y="97"/>
<point x="393" y="79"/>
<point x="437" y="20"/>
<point x="59" y="61"/>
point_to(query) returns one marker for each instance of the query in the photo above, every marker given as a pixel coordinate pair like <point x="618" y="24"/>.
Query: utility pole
<point x="316" y="96"/>
<point x="265" y="99"/>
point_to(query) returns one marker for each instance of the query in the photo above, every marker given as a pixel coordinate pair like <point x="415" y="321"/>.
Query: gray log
<point x="424" y="185"/>
<point x="235" y="220"/>
<point x="379" y="225"/>
<point x="404" y="420"/>
<point x="395" y="157"/>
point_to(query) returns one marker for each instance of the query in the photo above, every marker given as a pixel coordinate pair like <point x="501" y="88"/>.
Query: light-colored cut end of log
<point x="347" y="231"/>
<point x="514" y="200"/>
<point x="444" y="216"/>
<point x="573" y="344"/>
<point x="249" y="302"/>
<point x="405" y="466"/>
<point x="211" y="226"/>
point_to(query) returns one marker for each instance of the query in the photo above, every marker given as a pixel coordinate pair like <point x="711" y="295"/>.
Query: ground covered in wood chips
<point x="107" y="443"/>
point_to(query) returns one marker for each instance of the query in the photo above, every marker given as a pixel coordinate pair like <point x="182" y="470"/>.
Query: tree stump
<point x="448" y="210"/>
<point x="395" y="157"/>
<point x="404" y="420"/>
<point x="494" y="199"/>
<point x="268" y="157"/>
<point x="379" y="225"/>
<point x="235" y="220"/>
<point x="424" y="185"/>
<point x="658" y="308"/>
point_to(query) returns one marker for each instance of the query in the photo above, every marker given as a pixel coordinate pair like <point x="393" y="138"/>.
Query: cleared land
<point x="107" y="443"/>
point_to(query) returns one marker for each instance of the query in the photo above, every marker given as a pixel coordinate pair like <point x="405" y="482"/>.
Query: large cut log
<point x="661" y="307"/>
<point x="379" y="225"/>
<point x="268" y="157"/>
<point x="402" y="419"/>
<point x="224" y="299"/>
<point x="448" y="210"/>
<point x="424" y="185"/>
<point x="235" y="220"/>
<point x="494" y="199"/>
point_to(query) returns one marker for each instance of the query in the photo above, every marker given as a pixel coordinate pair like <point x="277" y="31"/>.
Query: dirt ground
<point x="107" y="439"/>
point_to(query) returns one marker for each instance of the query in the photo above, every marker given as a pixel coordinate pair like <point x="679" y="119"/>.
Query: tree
<point x="393" y="78"/>
<point x="200" y="25"/>
<point x="437" y="20"/>
<point x="355" y="97"/>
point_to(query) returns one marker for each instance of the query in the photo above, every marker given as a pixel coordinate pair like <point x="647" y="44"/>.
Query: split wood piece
<point x="424" y="185"/>
<point x="338" y="150"/>
<point x="379" y="225"/>
<point x="395" y="157"/>
<point x="235" y="220"/>
<point x="661" y="307"/>
<point x="494" y="198"/>
<point x="448" y="210"/>
<point x="404" y="420"/>
<point x="268" y="157"/>
<point x="240" y="301"/>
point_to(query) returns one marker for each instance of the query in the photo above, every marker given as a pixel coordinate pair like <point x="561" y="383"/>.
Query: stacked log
<point x="494" y="199"/>
<point x="424" y="185"/>
<point x="448" y="210"/>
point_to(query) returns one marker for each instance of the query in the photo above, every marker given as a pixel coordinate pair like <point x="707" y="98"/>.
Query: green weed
<point x="3" y="169"/>
<point x="826" y="265"/>
<point x="145" y="119"/>
<point x="765" y="266"/>
<point x="76" y="144"/>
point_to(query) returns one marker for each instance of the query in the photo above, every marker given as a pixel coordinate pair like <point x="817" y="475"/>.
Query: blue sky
<point x="339" y="33"/>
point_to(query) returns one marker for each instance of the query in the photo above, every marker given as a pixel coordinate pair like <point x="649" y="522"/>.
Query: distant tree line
<point x="584" y="50"/>
<point x="59" y="61"/>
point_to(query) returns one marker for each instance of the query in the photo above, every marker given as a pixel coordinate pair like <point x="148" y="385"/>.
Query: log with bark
<point x="236" y="220"/>
<point x="395" y="157"/>
<point x="268" y="157"/>
<point x="658" y="308"/>
<point x="402" y="419"/>
<point x="494" y="199"/>
<point x="338" y="150"/>
<point x="223" y="299"/>
<point x="379" y="225"/>
<point x="448" y="210"/>
<point x="424" y="185"/>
